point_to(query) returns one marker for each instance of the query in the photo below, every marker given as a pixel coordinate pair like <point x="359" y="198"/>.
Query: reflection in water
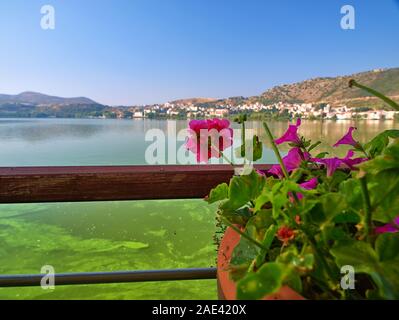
<point x="36" y="130"/>
<point x="111" y="142"/>
<point x="71" y="142"/>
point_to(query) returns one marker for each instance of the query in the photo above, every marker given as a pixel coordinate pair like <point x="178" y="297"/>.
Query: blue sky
<point x="149" y="51"/>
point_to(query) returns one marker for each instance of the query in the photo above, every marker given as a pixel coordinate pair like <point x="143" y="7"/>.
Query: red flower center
<point x="285" y="234"/>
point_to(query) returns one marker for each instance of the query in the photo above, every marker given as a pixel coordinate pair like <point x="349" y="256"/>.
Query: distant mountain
<point x="35" y="98"/>
<point x="335" y="90"/>
<point x="37" y="105"/>
<point x="332" y="90"/>
<point x="194" y="101"/>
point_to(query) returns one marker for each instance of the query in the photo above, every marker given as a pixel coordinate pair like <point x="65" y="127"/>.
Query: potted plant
<point x="313" y="226"/>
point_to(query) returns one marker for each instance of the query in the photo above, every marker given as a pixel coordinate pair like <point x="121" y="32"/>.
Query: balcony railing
<point x="110" y="183"/>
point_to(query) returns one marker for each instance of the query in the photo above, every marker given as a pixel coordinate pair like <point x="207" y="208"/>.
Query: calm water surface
<point x="109" y="236"/>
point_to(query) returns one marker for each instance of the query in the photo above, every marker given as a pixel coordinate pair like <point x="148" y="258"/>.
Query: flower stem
<point x="331" y="274"/>
<point x="390" y="102"/>
<point x="278" y="155"/>
<point x="367" y="208"/>
<point x="222" y="155"/>
<point x="226" y="159"/>
<point x="323" y="285"/>
<point x="243" y="139"/>
<point x="275" y="149"/>
<point x="243" y="234"/>
<point x="361" y="149"/>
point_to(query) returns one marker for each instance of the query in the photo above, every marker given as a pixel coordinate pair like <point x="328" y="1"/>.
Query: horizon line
<point x="198" y="97"/>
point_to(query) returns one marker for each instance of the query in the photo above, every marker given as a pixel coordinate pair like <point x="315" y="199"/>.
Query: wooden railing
<point x="110" y="183"/>
<point x="99" y="183"/>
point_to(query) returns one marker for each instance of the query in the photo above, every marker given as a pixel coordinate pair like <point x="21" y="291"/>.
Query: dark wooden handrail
<point x="108" y="183"/>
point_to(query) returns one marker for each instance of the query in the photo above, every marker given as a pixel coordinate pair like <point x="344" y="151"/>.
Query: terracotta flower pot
<point x="227" y="287"/>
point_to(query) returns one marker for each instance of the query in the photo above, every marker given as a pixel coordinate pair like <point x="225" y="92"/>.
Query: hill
<point x="335" y="90"/>
<point x="194" y="101"/>
<point x="33" y="105"/>
<point x="35" y="98"/>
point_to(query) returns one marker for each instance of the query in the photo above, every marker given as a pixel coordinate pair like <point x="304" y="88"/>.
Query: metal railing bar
<point x="32" y="280"/>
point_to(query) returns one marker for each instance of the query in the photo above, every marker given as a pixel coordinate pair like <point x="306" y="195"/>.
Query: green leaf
<point x="263" y="219"/>
<point x="299" y="262"/>
<point x="281" y="194"/>
<point x="351" y="191"/>
<point x="384" y="194"/>
<point x="357" y="254"/>
<point x="321" y="155"/>
<point x="389" y="159"/>
<point x="278" y="201"/>
<point x="314" y="145"/>
<point x="262" y="199"/>
<point x="245" y="188"/>
<point x="288" y="255"/>
<point x="270" y="186"/>
<point x="338" y="177"/>
<point x="387" y="246"/>
<point x="269" y="236"/>
<point x="235" y="216"/>
<point x="347" y="217"/>
<point x="221" y="192"/>
<point x="267" y="280"/>
<point x="293" y="280"/>
<point x="361" y="256"/>
<point x="305" y="262"/>
<point x="245" y="252"/>
<point x="335" y="233"/>
<point x="386" y="279"/>
<point x="373" y="295"/>
<point x="377" y="145"/>
<point x="333" y="204"/>
<point x="328" y="207"/>
<point x="266" y="242"/>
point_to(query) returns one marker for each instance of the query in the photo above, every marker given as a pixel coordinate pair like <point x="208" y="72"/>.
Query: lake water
<point x="110" y="236"/>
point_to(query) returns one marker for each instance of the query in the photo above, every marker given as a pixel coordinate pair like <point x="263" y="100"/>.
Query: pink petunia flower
<point x="352" y="162"/>
<point x="348" y="139"/>
<point x="291" y="161"/>
<point x="392" y="227"/>
<point x="310" y="184"/>
<point x="307" y="185"/>
<point x="208" y="137"/>
<point x="261" y="173"/>
<point x="332" y="164"/>
<point x="276" y="171"/>
<point x="294" y="158"/>
<point x="291" y="135"/>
